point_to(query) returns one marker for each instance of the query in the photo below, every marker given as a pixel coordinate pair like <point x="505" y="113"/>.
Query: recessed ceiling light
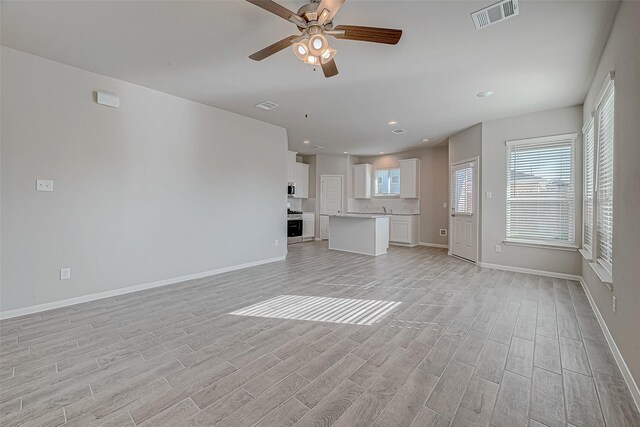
<point x="425" y="140"/>
<point x="346" y="152"/>
<point x="392" y="123"/>
<point x="305" y="142"/>
<point x="382" y="152"/>
<point x="485" y="93"/>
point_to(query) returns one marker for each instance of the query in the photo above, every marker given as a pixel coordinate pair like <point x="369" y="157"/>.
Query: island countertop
<point x="361" y="216"/>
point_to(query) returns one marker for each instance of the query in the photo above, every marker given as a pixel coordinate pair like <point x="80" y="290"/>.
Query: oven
<point x="294" y="230"/>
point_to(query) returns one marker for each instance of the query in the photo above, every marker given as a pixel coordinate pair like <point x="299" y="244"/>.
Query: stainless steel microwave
<point x="291" y="190"/>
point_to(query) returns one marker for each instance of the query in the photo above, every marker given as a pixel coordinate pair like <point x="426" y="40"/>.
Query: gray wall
<point x="494" y="179"/>
<point x="622" y="54"/>
<point x="433" y="188"/>
<point x="160" y="188"/>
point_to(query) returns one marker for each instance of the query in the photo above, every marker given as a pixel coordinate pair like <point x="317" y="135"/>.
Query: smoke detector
<point x="495" y="13"/>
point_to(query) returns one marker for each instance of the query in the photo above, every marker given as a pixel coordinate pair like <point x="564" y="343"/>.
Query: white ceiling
<point x="542" y="59"/>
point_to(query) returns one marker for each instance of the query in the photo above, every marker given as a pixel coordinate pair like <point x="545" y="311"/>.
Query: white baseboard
<point x="433" y="245"/>
<point x="624" y="369"/>
<point x="530" y="271"/>
<point x="135" y="288"/>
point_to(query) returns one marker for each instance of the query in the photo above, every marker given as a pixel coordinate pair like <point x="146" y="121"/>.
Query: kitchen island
<point x="366" y="234"/>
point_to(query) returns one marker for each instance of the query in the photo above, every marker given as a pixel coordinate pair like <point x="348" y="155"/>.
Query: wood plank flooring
<point x="467" y="346"/>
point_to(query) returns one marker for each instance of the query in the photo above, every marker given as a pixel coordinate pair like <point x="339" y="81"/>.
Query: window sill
<point x="385" y="196"/>
<point x="540" y="245"/>
<point x="604" y="276"/>
<point x="586" y="254"/>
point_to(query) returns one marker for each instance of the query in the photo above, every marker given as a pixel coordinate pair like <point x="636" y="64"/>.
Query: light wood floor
<point x="467" y="346"/>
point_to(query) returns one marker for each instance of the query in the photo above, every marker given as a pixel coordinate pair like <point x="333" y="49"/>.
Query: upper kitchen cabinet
<point x="291" y="166"/>
<point x="410" y="179"/>
<point x="301" y="178"/>
<point x="362" y="181"/>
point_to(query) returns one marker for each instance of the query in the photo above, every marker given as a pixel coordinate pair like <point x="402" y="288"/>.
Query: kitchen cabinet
<point x="308" y="225"/>
<point x="404" y="229"/>
<point x="324" y="227"/>
<point x="291" y="166"/>
<point x="301" y="178"/>
<point x="362" y="181"/>
<point x="410" y="179"/>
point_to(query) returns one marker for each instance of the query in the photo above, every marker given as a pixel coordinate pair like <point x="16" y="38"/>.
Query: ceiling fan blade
<point x="281" y="11"/>
<point x="329" y="69"/>
<point x="368" y="34"/>
<point x="332" y="6"/>
<point x="274" y="48"/>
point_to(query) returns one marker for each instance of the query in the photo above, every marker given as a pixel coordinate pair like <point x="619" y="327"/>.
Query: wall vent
<point x="267" y="105"/>
<point x="495" y="13"/>
<point x="398" y="131"/>
<point x="317" y="147"/>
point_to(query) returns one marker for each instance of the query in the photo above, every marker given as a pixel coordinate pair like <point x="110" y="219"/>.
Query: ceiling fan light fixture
<point x="312" y="60"/>
<point x="301" y="50"/>
<point x="318" y="44"/>
<point x="328" y="55"/>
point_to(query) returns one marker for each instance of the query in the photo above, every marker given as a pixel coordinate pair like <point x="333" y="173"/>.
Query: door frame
<point x="476" y="204"/>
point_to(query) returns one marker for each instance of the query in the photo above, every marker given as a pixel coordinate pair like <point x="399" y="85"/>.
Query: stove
<point x="294" y="226"/>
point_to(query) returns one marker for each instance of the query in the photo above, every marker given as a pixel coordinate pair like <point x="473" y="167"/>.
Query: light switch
<point x="444" y="205"/>
<point x="65" y="273"/>
<point x="489" y="195"/>
<point x="44" y="185"/>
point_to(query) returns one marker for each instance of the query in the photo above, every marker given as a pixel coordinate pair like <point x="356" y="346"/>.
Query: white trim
<point x="544" y="139"/>
<point x="433" y="245"/>
<point x="622" y="365"/>
<point x="406" y="245"/>
<point x="540" y="244"/>
<point x="473" y="162"/>
<point x="530" y="271"/>
<point x="135" y="288"/>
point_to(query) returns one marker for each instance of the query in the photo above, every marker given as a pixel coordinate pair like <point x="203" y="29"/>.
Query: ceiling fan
<point x="315" y="22"/>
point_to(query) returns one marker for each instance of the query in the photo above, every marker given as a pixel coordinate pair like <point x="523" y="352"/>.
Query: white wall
<point x="622" y="54"/>
<point x="494" y="178"/>
<point x="160" y="188"/>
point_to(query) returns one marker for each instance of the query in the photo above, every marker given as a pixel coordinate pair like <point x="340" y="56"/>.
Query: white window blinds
<point x="605" y="180"/>
<point x="463" y="190"/>
<point x="587" y="211"/>
<point x="541" y="190"/>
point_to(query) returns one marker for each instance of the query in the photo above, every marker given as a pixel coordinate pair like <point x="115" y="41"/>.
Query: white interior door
<point x="464" y="218"/>
<point x="331" y="194"/>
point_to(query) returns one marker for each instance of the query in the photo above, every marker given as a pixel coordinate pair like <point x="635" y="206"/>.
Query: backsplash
<point x="396" y="206"/>
<point x="294" y="204"/>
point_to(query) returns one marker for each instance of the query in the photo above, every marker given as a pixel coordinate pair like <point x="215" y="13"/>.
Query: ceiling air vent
<point x="399" y="131"/>
<point x="267" y="105"/>
<point x="317" y="147"/>
<point x="495" y="13"/>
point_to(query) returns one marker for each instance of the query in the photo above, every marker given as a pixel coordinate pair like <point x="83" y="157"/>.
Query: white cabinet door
<point x="324" y="227"/>
<point x="301" y="180"/>
<point x="410" y="179"/>
<point x="308" y="226"/>
<point x="291" y="166"/>
<point x="399" y="232"/>
<point x="362" y="181"/>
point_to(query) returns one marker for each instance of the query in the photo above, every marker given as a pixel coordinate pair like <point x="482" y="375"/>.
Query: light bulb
<point x="313" y="60"/>
<point x="302" y="50"/>
<point x="317" y="44"/>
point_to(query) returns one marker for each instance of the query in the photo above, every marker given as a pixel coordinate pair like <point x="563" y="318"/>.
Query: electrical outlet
<point x="44" y="185"/>
<point x="489" y="195"/>
<point x="614" y="303"/>
<point x="276" y="242"/>
<point x="498" y="249"/>
<point x="444" y="205"/>
<point x="65" y="273"/>
<point x="443" y="231"/>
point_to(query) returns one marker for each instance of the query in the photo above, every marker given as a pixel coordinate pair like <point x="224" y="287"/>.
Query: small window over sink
<point x="387" y="182"/>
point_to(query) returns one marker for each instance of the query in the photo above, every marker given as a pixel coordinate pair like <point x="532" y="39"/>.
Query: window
<point x="541" y="190"/>
<point x="463" y="191"/>
<point x="387" y="182"/>
<point x="605" y="180"/>
<point x="587" y="209"/>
